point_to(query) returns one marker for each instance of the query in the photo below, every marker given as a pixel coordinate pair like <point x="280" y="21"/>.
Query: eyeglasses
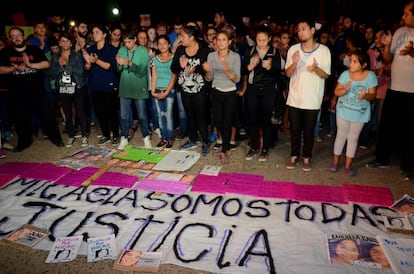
<point x="16" y="36"/>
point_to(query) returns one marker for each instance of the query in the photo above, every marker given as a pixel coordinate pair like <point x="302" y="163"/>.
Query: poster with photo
<point x="101" y="248"/>
<point x="137" y="260"/>
<point x="64" y="249"/>
<point x="85" y="157"/>
<point x="356" y="249"/>
<point x="25" y="237"/>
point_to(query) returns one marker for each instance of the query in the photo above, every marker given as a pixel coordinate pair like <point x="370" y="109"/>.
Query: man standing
<point x="308" y="64"/>
<point x="396" y="126"/>
<point x="25" y="64"/>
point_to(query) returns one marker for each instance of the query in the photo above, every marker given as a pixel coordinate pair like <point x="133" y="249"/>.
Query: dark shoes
<point x="20" y="148"/>
<point x="58" y="143"/>
<point x="375" y="165"/>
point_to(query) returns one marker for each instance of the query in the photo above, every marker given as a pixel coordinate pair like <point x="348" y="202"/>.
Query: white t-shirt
<point x="306" y="88"/>
<point x="402" y="68"/>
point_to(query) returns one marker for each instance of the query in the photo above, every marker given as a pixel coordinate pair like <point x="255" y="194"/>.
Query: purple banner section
<point x="372" y="195"/>
<point x="210" y="184"/>
<point x="244" y="183"/>
<point x="46" y="171"/>
<point x="166" y="186"/>
<point x="5" y="178"/>
<point x="76" y="177"/>
<point x="320" y="193"/>
<point x="275" y="189"/>
<point x="115" y="179"/>
<point x="17" y="168"/>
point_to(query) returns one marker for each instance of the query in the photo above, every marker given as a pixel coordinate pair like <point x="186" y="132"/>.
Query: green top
<point x="134" y="79"/>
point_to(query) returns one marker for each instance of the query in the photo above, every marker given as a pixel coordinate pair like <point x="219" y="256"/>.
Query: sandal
<point x="223" y="158"/>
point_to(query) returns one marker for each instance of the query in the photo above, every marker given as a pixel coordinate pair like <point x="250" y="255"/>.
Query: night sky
<point x="100" y="11"/>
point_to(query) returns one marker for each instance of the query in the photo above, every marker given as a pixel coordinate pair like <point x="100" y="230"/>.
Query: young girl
<point x="355" y="88"/>
<point x="162" y="90"/>
<point x="223" y="69"/>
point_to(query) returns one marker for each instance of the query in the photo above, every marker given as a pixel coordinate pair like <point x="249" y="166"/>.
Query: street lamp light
<point x="115" y="11"/>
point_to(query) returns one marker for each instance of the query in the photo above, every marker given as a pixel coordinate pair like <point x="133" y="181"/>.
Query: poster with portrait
<point x="101" y="248"/>
<point x="25" y="237"/>
<point x="398" y="223"/>
<point x="404" y="205"/>
<point x="88" y="156"/>
<point x="357" y="250"/>
<point x="137" y="260"/>
<point x="64" y="249"/>
<point x="399" y="252"/>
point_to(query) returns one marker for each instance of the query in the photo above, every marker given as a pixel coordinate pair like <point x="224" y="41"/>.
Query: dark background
<point x="99" y="11"/>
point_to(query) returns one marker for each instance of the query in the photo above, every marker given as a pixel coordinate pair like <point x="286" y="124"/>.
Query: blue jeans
<point x="165" y="113"/>
<point x="141" y="106"/>
<point x="152" y="112"/>
<point x="182" y="116"/>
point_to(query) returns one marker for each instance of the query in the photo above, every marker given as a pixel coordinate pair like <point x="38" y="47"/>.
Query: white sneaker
<point x="70" y="142"/>
<point x="147" y="141"/>
<point x="157" y="132"/>
<point x="84" y="142"/>
<point x="123" y="143"/>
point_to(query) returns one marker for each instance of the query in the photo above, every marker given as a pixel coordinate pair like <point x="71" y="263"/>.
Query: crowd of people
<point x="214" y="83"/>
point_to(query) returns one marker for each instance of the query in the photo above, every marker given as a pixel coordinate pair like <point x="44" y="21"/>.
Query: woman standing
<point x="103" y="82"/>
<point x="66" y="68"/>
<point x="356" y="87"/>
<point x="162" y="90"/>
<point x="261" y="73"/>
<point x="133" y="88"/>
<point x="187" y="67"/>
<point x="223" y="69"/>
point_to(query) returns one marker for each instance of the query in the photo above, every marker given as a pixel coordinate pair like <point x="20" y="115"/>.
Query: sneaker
<point x="233" y="145"/>
<point x="363" y="146"/>
<point x="58" y="143"/>
<point x="70" y="142"/>
<point x="407" y="175"/>
<point x="292" y="162"/>
<point x="115" y="141"/>
<point x="123" y="143"/>
<point x="263" y="156"/>
<point x="180" y="134"/>
<point x="104" y="141"/>
<point x="375" y="165"/>
<point x="333" y="167"/>
<point x="330" y="134"/>
<point x="84" y="142"/>
<point x="2" y="154"/>
<point x="205" y="150"/>
<point x="162" y="143"/>
<point x="147" y="141"/>
<point x="318" y="139"/>
<point x="169" y="144"/>
<point x="276" y="121"/>
<point x="306" y="166"/>
<point x="131" y="133"/>
<point x="157" y="132"/>
<point x="188" y="145"/>
<point x="349" y="172"/>
<point x="8" y="146"/>
<point x="213" y="137"/>
<point x="250" y="154"/>
<point x="217" y="145"/>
